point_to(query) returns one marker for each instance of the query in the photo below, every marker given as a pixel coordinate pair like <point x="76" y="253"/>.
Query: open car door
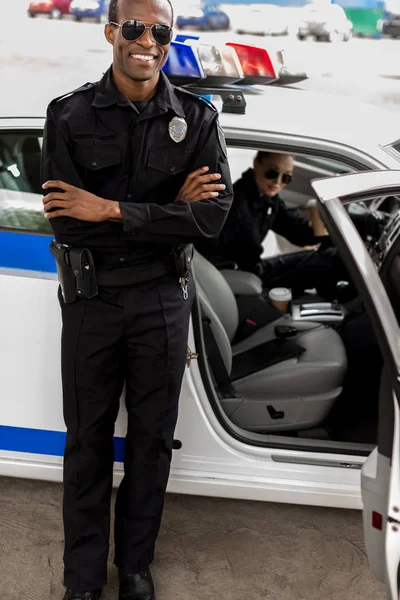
<point x="377" y="277"/>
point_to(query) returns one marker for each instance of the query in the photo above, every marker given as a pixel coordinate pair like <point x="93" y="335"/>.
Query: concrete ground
<point x="208" y="549"/>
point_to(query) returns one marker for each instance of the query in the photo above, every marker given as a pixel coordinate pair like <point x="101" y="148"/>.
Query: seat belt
<point x="216" y="361"/>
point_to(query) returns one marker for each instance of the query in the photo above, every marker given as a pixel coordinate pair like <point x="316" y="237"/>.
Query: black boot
<point x="71" y="595"/>
<point x="136" y="586"/>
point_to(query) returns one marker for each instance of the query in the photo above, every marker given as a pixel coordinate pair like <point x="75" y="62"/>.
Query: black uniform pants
<point x="135" y="335"/>
<point x="308" y="269"/>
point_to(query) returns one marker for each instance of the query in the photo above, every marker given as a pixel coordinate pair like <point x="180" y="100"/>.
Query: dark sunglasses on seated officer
<point x="274" y="174"/>
<point x="133" y="30"/>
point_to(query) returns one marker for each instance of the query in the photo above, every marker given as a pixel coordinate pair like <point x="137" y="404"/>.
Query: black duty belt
<point x="132" y="275"/>
<point x="79" y="277"/>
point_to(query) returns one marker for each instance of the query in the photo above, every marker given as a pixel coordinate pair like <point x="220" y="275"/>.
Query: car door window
<point x="20" y="186"/>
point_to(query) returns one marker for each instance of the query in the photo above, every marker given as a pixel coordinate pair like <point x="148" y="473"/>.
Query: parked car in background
<point x="89" y="9"/>
<point x="56" y="9"/>
<point x="326" y="22"/>
<point x="206" y="18"/>
<point x="265" y="20"/>
<point x="391" y="26"/>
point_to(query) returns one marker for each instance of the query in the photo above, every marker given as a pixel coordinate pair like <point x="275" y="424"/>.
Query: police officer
<point x="256" y="209"/>
<point x="134" y="170"/>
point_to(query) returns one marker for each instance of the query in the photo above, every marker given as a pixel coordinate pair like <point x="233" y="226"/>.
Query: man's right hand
<point x="198" y="186"/>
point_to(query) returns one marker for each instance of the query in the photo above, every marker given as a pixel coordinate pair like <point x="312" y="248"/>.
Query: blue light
<point x="183" y="65"/>
<point x="181" y="37"/>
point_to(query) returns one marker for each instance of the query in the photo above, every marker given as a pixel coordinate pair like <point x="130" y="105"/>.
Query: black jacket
<point x="94" y="139"/>
<point x="249" y="220"/>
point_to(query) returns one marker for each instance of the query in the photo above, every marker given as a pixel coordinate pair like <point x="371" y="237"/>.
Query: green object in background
<point x="366" y="21"/>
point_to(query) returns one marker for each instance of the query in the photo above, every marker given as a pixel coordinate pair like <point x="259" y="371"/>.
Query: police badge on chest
<point x="177" y="129"/>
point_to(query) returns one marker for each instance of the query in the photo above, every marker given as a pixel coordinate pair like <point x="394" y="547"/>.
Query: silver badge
<point x="178" y="129"/>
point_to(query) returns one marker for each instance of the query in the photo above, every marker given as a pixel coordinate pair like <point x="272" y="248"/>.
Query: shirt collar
<point x="108" y="94"/>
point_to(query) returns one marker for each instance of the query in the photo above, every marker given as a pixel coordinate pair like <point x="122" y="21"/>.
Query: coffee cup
<point x="280" y="298"/>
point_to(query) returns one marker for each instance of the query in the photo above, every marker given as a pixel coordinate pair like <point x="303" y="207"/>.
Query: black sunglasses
<point x="274" y="174"/>
<point x="133" y="30"/>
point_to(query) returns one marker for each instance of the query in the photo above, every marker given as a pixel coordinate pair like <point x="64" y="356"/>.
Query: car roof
<point x="274" y="109"/>
<point x="303" y="113"/>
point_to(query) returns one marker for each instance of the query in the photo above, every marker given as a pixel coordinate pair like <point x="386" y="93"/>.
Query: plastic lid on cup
<point x="280" y="294"/>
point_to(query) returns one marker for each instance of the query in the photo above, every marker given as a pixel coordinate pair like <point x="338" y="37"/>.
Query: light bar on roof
<point x="183" y="65"/>
<point x="257" y="65"/>
<point x="221" y="65"/>
<point x="288" y="74"/>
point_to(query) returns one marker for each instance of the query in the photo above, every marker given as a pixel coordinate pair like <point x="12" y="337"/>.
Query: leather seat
<point x="280" y="384"/>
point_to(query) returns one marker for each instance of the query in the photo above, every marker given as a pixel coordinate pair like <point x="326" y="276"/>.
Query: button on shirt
<point x="95" y="139"/>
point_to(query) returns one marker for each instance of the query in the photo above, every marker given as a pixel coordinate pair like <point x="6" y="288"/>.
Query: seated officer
<point x="256" y="209"/>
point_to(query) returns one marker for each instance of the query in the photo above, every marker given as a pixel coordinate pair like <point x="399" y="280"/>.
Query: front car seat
<point x="276" y="387"/>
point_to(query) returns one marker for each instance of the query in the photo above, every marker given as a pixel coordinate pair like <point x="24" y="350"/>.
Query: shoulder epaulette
<point x="199" y="97"/>
<point x="82" y="88"/>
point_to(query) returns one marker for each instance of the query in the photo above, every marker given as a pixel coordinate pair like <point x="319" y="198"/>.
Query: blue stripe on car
<point x="42" y="441"/>
<point x="26" y="251"/>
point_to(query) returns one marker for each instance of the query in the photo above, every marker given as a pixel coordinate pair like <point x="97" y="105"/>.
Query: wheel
<point x="301" y="37"/>
<point x="55" y="13"/>
<point x="335" y="36"/>
<point x="98" y="19"/>
<point x="78" y="18"/>
<point x="31" y="14"/>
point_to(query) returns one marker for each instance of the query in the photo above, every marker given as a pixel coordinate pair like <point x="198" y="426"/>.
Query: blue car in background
<point x="89" y="9"/>
<point x="206" y="18"/>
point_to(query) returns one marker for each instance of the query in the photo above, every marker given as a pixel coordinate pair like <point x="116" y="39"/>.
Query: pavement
<point x="208" y="549"/>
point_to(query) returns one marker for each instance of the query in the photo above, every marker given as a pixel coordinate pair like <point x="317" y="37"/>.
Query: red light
<point x="256" y="63"/>
<point x="377" y="521"/>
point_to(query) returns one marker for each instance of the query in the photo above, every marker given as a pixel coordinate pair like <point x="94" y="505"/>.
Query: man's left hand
<point x="77" y="203"/>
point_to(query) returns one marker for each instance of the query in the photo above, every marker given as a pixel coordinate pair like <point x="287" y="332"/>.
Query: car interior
<point x="281" y="381"/>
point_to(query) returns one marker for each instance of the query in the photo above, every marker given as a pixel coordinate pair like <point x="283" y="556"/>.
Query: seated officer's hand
<point x="77" y="203"/>
<point x="198" y="186"/>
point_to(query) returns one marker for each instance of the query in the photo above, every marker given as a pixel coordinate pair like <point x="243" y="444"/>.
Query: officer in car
<point x="135" y="170"/>
<point x="257" y="208"/>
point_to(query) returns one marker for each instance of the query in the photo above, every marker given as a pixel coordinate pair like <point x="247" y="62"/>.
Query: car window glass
<point x="20" y="186"/>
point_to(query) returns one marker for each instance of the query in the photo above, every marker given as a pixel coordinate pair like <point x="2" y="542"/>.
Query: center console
<point x="325" y="312"/>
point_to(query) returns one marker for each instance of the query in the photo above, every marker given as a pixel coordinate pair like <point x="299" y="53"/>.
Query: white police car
<point x="258" y="435"/>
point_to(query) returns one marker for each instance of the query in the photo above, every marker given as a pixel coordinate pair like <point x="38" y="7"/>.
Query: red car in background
<point x="54" y="8"/>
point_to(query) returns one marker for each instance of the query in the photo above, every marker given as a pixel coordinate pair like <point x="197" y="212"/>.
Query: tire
<point x="301" y="37"/>
<point x="56" y="14"/>
<point x="31" y="14"/>
<point x="334" y="37"/>
<point x="98" y="19"/>
<point x="78" y="19"/>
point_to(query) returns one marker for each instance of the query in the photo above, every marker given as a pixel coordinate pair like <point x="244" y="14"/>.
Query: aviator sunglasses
<point x="274" y="174"/>
<point x="133" y="30"/>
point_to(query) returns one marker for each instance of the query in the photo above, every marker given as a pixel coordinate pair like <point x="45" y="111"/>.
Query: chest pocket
<point x="96" y="154"/>
<point x="170" y="162"/>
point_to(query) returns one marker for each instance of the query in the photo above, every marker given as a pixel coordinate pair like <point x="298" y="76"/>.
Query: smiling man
<point x="135" y="170"/>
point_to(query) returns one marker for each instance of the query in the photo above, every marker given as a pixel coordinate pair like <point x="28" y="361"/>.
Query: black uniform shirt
<point x="250" y="219"/>
<point x="97" y="140"/>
